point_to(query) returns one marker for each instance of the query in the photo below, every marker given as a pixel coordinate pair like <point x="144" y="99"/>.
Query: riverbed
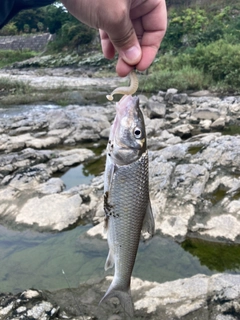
<point x="53" y="260"/>
<point x="51" y="187"/>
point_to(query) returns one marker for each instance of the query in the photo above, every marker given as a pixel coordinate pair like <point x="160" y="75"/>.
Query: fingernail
<point x="132" y="55"/>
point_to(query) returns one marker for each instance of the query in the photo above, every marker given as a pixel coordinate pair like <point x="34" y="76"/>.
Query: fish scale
<point x="126" y="197"/>
<point x="129" y="206"/>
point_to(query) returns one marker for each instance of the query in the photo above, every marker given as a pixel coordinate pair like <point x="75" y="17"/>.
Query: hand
<point x="132" y="28"/>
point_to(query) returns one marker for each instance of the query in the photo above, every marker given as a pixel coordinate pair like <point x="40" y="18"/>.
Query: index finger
<point x="153" y="16"/>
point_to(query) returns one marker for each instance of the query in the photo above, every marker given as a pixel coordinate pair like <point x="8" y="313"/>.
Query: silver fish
<point x="126" y="196"/>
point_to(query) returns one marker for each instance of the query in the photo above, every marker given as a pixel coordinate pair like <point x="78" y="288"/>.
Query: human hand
<point x="132" y="28"/>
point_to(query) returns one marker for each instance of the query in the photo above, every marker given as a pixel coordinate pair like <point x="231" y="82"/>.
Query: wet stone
<point x="170" y="93"/>
<point x="180" y="98"/>
<point x="206" y="113"/>
<point x="194" y="189"/>
<point x="156" y="109"/>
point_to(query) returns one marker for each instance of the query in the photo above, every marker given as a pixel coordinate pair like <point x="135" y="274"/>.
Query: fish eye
<point x="137" y="133"/>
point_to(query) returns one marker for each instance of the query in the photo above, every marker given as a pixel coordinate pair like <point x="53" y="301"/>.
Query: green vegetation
<point x="8" y="57"/>
<point x="216" y="256"/>
<point x="10" y="89"/>
<point x="184" y="78"/>
<point x="12" y="86"/>
<point x="72" y="35"/>
<point x="200" y="50"/>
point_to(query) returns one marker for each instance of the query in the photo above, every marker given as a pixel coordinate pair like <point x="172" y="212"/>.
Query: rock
<point x="195" y="166"/>
<point x="75" y="97"/>
<point x="156" y="109"/>
<point x="54" y="211"/>
<point x="202" y="93"/>
<point x="172" y="115"/>
<point x="206" y="124"/>
<point x="29" y="304"/>
<point x="199" y="297"/>
<point x="58" y="119"/>
<point x="206" y="113"/>
<point x="234" y="109"/>
<point x="180" y="98"/>
<point x="105" y="133"/>
<point x="173" y="140"/>
<point x="161" y="93"/>
<point x="184" y="130"/>
<point x="162" y="299"/>
<point x="29" y="294"/>
<point x="97" y="231"/>
<point x="175" y="186"/>
<point x="43" y="143"/>
<point x="224" y="226"/>
<point x="154" y="126"/>
<point x="143" y="100"/>
<point x="69" y="158"/>
<point x="219" y="123"/>
<point x="194" y="189"/>
<point x="234" y="207"/>
<point x="174" y="121"/>
<point x="229" y="100"/>
<point x="176" y="220"/>
<point x="53" y="185"/>
<point x="170" y="93"/>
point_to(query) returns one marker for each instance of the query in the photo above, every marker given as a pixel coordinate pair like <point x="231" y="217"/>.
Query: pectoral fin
<point x="105" y="225"/>
<point x="108" y="175"/>
<point x="148" y="221"/>
<point x="110" y="260"/>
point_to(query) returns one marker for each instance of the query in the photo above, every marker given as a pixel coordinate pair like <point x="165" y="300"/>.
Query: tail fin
<point x="123" y="296"/>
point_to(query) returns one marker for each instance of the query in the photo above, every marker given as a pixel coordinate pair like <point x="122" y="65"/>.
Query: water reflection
<point x="85" y="172"/>
<point x="14" y="110"/>
<point x="35" y="260"/>
<point x="231" y="130"/>
<point x="75" y="176"/>
<point x="216" y="256"/>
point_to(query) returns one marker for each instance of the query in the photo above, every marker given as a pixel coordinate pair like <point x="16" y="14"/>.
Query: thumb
<point x="131" y="55"/>
<point x="125" y="41"/>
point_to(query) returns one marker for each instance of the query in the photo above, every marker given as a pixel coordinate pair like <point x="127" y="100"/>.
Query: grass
<point x="19" y="92"/>
<point x="194" y="70"/>
<point x="7" y="57"/>
<point x="8" y="86"/>
<point x="187" y="78"/>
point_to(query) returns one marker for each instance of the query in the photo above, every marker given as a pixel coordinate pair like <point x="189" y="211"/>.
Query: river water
<point x="30" y="259"/>
<point x="36" y="260"/>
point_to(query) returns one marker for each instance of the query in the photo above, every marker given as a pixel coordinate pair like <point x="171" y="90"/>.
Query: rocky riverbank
<point x="194" y="167"/>
<point x="63" y="86"/>
<point x="194" y="147"/>
<point x="199" y="297"/>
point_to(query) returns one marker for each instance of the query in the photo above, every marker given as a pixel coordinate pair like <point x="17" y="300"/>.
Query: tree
<point x="9" y="30"/>
<point x="55" y="18"/>
<point x="30" y="17"/>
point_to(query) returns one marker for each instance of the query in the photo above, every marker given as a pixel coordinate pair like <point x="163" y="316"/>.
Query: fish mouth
<point x="126" y="104"/>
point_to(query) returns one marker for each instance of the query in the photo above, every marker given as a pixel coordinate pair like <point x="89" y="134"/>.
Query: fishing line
<point x="145" y="80"/>
<point x="65" y="277"/>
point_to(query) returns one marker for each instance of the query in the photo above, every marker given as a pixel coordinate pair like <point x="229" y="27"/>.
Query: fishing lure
<point x="126" y="90"/>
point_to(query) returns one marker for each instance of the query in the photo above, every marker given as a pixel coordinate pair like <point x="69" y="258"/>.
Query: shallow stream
<point x="36" y="260"/>
<point x="30" y="259"/>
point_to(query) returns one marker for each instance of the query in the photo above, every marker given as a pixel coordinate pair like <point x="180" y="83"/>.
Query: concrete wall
<point x="32" y="42"/>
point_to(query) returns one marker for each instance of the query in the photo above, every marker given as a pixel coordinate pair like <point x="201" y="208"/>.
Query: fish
<point x="126" y="197"/>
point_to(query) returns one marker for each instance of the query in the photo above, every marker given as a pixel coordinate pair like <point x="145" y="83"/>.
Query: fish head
<point x="127" y="141"/>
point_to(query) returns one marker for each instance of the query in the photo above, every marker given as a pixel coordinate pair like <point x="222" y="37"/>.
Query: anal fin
<point x="110" y="260"/>
<point x="148" y="221"/>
